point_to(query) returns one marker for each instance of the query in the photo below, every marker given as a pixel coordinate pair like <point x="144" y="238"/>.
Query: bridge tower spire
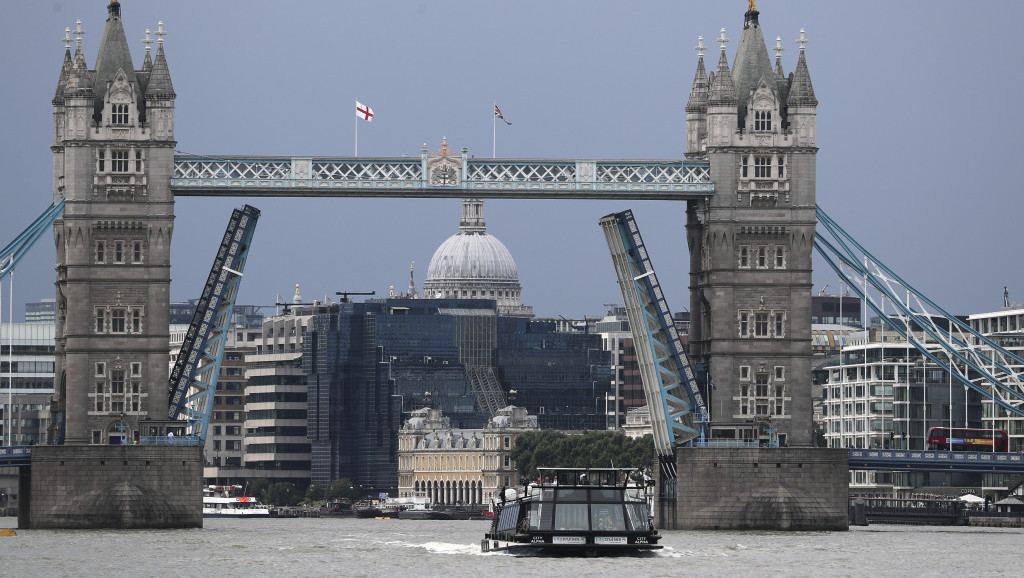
<point x="750" y="244"/>
<point x="113" y="159"/>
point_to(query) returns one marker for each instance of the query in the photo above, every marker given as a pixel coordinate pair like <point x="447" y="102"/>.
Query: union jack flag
<point x="497" y="113"/>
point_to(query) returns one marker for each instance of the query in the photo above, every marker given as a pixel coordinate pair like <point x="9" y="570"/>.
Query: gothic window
<point x="101" y="160"/>
<point x="761" y="385"/>
<point x="101" y="369"/>
<point x="136" y="251"/>
<point x="762" y="120"/>
<point x="138" y="161"/>
<point x="744" y="373"/>
<point x="100" y="316"/>
<point x="744" y="323"/>
<point x="119" y="161"/>
<point x="117" y="381"/>
<point x="136" y="322"/>
<point x="762" y="256"/>
<point x="782" y="166"/>
<point x="119" y="114"/>
<point x="779" y="319"/>
<point x="780" y="257"/>
<point x="117" y="320"/>
<point x="760" y="325"/>
<point x="744" y="256"/>
<point x="743" y="166"/>
<point x="762" y="167"/>
<point x="119" y="251"/>
<point x="780" y="372"/>
<point x="101" y="248"/>
<point x="99" y="407"/>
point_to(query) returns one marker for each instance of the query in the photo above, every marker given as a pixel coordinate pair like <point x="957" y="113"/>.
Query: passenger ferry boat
<point x="575" y="512"/>
<point x="220" y="502"/>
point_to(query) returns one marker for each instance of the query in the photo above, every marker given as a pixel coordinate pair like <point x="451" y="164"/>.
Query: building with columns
<point x="112" y="160"/>
<point x="751" y="243"/>
<point x="459" y="466"/>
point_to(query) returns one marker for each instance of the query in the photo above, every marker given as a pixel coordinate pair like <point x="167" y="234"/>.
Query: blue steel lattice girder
<point x="194" y="377"/>
<point x="11" y="254"/>
<point x="846" y="255"/>
<point x="672" y="393"/>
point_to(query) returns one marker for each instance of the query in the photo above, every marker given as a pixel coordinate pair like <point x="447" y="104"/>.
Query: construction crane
<point x="194" y="376"/>
<point x="678" y="412"/>
<point x="345" y="294"/>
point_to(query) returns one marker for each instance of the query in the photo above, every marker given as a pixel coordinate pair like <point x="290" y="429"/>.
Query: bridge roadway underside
<point x="119" y="486"/>
<point x="758" y="489"/>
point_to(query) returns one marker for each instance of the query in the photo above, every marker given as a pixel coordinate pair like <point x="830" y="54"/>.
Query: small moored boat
<point x="576" y="512"/>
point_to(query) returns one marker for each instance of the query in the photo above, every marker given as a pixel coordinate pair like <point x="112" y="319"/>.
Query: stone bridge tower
<point x="113" y="155"/>
<point x="750" y="245"/>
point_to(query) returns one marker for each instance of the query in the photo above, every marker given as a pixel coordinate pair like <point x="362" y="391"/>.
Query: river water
<point x="276" y="548"/>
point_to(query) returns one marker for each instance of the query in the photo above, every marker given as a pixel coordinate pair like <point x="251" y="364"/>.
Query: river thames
<point x="366" y="547"/>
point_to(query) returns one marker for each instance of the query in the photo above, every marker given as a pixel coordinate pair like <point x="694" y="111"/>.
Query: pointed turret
<point x="160" y="77"/>
<point x="697" y="106"/>
<point x="65" y="70"/>
<point x="722" y="91"/>
<point x="802" y="105"/>
<point x="752" y="62"/>
<point x="114" y="55"/>
<point x="801" y="91"/>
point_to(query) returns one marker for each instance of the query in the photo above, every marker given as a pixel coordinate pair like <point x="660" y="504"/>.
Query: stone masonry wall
<point x="119" y="486"/>
<point x="760" y="489"/>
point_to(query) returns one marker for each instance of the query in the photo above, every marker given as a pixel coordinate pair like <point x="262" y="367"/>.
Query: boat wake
<point x="448" y="548"/>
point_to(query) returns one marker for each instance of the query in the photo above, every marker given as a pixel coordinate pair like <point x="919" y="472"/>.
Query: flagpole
<point x="494" y="129"/>
<point x="356" y="118"/>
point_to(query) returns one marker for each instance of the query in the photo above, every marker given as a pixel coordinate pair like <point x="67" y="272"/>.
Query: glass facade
<point x="369" y="362"/>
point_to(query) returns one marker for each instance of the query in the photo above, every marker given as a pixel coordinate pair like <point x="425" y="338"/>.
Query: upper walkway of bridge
<point x="441" y="175"/>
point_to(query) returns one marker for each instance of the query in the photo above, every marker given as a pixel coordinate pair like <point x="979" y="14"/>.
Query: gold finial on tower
<point x="751" y="5"/>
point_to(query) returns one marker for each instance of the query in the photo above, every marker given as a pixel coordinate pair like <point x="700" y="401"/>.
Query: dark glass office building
<point x="369" y="362"/>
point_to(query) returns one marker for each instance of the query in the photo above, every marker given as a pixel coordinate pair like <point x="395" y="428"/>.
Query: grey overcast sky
<point x="917" y="140"/>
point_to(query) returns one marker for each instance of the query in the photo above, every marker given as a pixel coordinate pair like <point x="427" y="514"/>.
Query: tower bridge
<point x="747" y="178"/>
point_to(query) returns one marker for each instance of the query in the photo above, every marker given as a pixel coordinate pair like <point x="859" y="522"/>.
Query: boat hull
<point x="578" y="550"/>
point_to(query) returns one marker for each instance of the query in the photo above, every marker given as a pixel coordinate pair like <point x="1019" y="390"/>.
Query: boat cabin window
<point x="572" y="495"/>
<point x="607" y="517"/>
<point x="572" y="517"/>
<point x="636" y="513"/>
<point x="606" y="495"/>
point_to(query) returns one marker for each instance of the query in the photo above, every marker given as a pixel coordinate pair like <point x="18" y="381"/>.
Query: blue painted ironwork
<point x="15" y="456"/>
<point x="972" y="358"/>
<point x="413" y="177"/>
<point x="678" y="412"/>
<point x="16" y="249"/>
<point x="194" y="376"/>
<point x="936" y="460"/>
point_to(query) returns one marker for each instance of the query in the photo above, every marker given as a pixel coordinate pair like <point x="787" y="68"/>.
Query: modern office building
<point x="26" y="388"/>
<point x="882" y="392"/>
<point x="42" y="311"/>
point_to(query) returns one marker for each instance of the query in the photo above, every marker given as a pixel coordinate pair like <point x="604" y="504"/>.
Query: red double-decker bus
<point x="967" y="439"/>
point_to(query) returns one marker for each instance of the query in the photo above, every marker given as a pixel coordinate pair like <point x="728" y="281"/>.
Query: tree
<point x="316" y="493"/>
<point x="343" y="489"/>
<point x="283" y="494"/>
<point x="553" y="449"/>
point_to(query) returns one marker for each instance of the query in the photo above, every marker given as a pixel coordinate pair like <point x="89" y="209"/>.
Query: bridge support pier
<point x="759" y="489"/>
<point x="119" y="486"/>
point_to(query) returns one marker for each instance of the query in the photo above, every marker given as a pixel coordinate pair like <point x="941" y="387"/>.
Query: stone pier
<point x="118" y="486"/>
<point x="758" y="489"/>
